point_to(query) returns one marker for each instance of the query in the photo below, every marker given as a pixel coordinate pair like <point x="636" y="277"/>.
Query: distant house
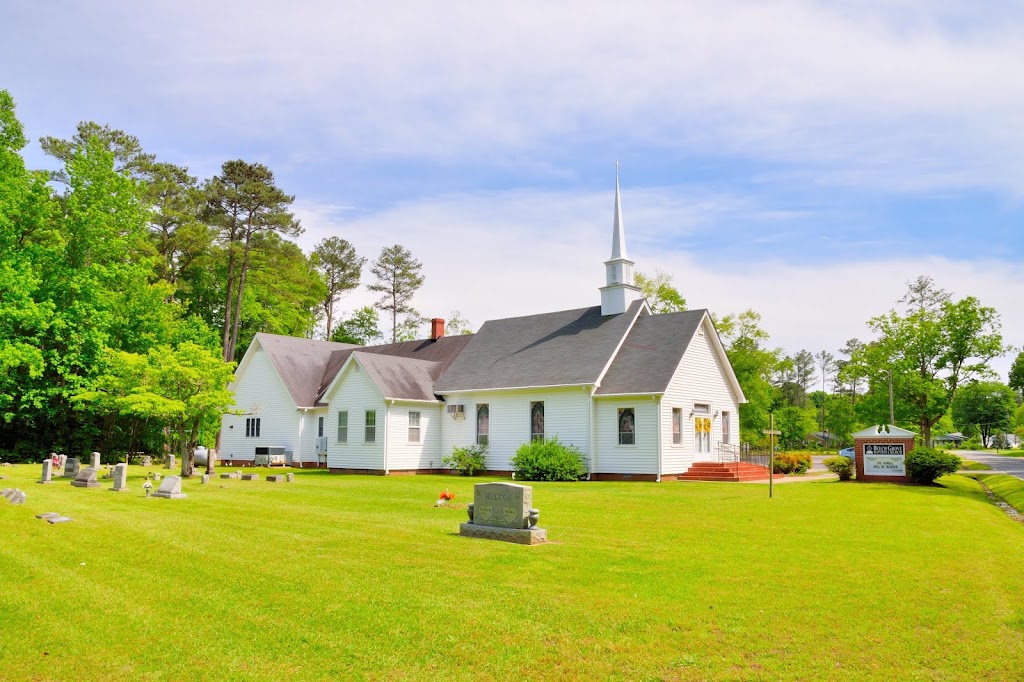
<point x="955" y="438"/>
<point x="822" y="438"/>
<point x="643" y="396"/>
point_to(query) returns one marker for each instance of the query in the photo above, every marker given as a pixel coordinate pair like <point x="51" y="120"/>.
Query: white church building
<point x="643" y="396"/>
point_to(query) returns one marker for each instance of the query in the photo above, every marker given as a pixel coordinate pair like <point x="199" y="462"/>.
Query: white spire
<point x="618" y="232"/>
<point x="619" y="290"/>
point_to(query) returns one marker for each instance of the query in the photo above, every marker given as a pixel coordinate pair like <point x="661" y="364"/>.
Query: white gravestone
<point x="47" y="476"/>
<point x="86" y="478"/>
<point x="172" y="462"/>
<point x="170" y="488"/>
<point x="96" y="460"/>
<point x="120" y="478"/>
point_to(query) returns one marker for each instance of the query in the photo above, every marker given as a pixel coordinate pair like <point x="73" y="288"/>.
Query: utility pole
<point x="892" y="416"/>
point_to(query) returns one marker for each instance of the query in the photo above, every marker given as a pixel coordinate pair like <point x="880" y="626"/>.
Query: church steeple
<point x="619" y="290"/>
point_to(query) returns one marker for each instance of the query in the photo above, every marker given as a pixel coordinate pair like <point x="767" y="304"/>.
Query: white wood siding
<point x="700" y="378"/>
<point x="612" y="458"/>
<point x="356" y="394"/>
<point x="404" y="455"/>
<point x="259" y="392"/>
<point x="310" y="424"/>
<point x="565" y="416"/>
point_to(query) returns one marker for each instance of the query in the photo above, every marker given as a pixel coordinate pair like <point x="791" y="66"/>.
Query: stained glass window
<point x="483" y="424"/>
<point x="677" y="425"/>
<point x="537" y="420"/>
<point x="627" y="424"/>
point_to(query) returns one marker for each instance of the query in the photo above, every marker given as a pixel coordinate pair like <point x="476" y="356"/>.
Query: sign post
<point x="771" y="433"/>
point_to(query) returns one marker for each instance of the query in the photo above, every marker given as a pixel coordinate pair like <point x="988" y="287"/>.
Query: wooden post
<point x="771" y="433"/>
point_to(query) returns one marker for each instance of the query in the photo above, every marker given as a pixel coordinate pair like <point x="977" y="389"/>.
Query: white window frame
<point x="343" y="427"/>
<point x="677" y="420"/>
<point x="370" y="429"/>
<point x="320" y="427"/>
<point x="414" y="426"/>
<point x="726" y="427"/>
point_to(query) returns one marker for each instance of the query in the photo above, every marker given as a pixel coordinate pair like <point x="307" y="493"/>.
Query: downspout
<point x="298" y="450"/>
<point x="386" y="410"/>
<point x="590" y="431"/>
<point x="657" y="404"/>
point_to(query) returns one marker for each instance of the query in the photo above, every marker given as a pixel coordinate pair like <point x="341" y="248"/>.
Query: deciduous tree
<point x="659" y="292"/>
<point x="987" y="405"/>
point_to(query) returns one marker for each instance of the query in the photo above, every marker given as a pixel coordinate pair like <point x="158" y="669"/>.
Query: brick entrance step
<point x="737" y="471"/>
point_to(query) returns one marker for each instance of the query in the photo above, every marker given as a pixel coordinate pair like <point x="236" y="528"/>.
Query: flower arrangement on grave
<point x="444" y="498"/>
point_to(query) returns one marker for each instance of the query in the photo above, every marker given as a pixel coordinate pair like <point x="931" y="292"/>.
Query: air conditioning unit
<point x="269" y="455"/>
<point x="457" y="411"/>
<point x="321" y="445"/>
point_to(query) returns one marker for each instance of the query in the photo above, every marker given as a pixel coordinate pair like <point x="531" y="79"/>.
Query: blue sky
<point x="801" y="158"/>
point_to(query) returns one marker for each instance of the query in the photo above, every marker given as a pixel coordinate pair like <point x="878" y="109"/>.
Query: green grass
<point x="970" y="465"/>
<point x="352" y="577"/>
<point x="1009" y="488"/>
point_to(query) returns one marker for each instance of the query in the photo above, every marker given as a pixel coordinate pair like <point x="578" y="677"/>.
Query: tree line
<point x="129" y="288"/>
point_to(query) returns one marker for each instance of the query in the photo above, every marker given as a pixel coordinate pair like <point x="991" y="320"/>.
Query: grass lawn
<point x="971" y="465"/>
<point x="353" y="577"/>
<point x="1009" y="488"/>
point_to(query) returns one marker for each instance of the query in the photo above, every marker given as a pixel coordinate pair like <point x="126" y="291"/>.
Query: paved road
<point x="1006" y="465"/>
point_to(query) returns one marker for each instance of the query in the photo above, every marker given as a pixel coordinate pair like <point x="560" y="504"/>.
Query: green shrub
<point x="549" y="460"/>
<point x="792" y="462"/>
<point x="924" y="465"/>
<point x="469" y="460"/>
<point x="843" y="466"/>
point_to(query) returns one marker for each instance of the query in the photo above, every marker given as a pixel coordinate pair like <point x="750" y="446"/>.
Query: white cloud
<point x="515" y="253"/>
<point x="904" y="95"/>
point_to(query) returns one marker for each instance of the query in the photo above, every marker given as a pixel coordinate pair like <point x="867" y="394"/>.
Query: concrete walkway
<point x="1013" y="466"/>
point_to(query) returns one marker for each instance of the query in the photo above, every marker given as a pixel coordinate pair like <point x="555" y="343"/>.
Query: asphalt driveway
<point x="1004" y="465"/>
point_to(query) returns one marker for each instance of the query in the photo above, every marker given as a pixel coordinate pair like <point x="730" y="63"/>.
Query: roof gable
<point x="299" y="363"/>
<point x="400" y="378"/>
<point x="569" y="347"/>
<point x="651" y="353"/>
<point x="442" y="351"/>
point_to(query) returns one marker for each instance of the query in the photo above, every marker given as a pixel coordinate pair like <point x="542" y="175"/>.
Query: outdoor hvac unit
<point x="269" y="455"/>
<point x="321" y="445"/>
<point x="457" y="411"/>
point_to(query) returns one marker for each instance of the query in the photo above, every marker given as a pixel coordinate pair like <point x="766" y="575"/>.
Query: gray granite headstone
<point x="250" y="477"/>
<point x="47" y="476"/>
<point x="18" y="497"/>
<point x="275" y="478"/>
<point x="170" y="488"/>
<point x="59" y="519"/>
<point x="230" y="475"/>
<point x="147" y="461"/>
<point x="96" y="460"/>
<point x="120" y="478"/>
<point x="503" y="511"/>
<point x="86" y="478"/>
<point x="71" y="467"/>
<point x="47" y="515"/>
<point x="290" y="477"/>
<point x="205" y="478"/>
<point x="62" y="461"/>
<point x="506" y="505"/>
<point x="172" y="462"/>
<point x="7" y="493"/>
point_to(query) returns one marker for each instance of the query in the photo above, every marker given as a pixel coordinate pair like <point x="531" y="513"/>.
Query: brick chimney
<point x="436" y="328"/>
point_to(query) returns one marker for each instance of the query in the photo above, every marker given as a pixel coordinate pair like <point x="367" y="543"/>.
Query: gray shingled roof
<point x="563" y="348"/>
<point x="300" y="363"/>
<point x="651" y="353"/>
<point x="442" y="351"/>
<point x="401" y="378"/>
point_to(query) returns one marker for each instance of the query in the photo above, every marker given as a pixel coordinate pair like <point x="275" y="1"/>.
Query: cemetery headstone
<point x="170" y="488"/>
<point x="18" y="497"/>
<point x="147" y="461"/>
<point x="250" y="477"/>
<point x="71" y="467"/>
<point x="7" y="493"/>
<point x="62" y="461"/>
<point x="275" y="478"/>
<point x="120" y="478"/>
<point x="47" y="476"/>
<point x="290" y="477"/>
<point x="96" y="460"/>
<point x="205" y="478"/>
<point x="230" y="475"/>
<point x="503" y="511"/>
<point x="59" y="519"/>
<point x="172" y="462"/>
<point x="86" y="478"/>
<point x="47" y="515"/>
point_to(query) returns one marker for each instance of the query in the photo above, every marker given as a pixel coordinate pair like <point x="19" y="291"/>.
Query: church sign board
<point x="880" y="454"/>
